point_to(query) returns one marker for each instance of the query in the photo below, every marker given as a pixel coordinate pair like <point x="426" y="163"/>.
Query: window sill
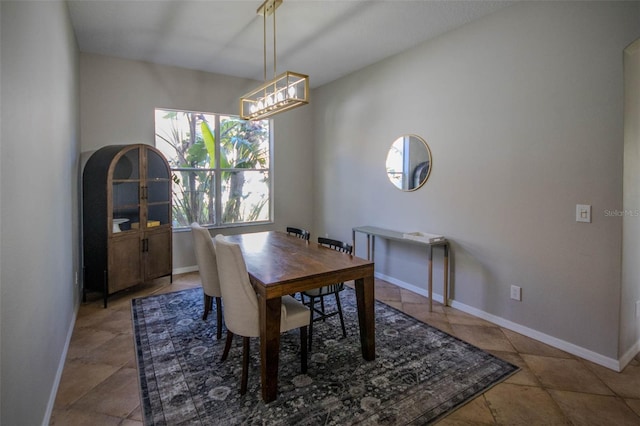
<point x="226" y="226"/>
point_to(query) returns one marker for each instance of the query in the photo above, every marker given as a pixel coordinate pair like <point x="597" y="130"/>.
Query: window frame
<point x="216" y="172"/>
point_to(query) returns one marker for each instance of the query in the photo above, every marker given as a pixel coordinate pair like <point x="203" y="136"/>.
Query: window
<point x="221" y="167"/>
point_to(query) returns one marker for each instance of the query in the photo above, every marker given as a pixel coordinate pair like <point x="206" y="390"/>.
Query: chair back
<point x="206" y="259"/>
<point x="240" y="300"/>
<point x="336" y="245"/>
<point x="299" y="232"/>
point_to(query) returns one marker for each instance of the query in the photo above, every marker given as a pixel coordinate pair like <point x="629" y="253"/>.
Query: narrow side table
<point x="372" y="232"/>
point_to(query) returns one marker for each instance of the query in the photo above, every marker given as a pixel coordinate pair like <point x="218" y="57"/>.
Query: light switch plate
<point x="516" y="292"/>
<point x="583" y="213"/>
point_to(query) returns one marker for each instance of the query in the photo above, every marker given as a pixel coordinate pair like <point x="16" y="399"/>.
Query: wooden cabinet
<point x="126" y="215"/>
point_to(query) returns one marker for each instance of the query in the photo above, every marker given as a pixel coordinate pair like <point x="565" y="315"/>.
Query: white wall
<point x="523" y="111"/>
<point x="118" y="98"/>
<point x="629" y="319"/>
<point x="39" y="239"/>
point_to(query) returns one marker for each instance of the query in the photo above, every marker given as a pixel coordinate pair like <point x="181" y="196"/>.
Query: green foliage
<point x="197" y="155"/>
<point x="209" y="142"/>
<point x="191" y="142"/>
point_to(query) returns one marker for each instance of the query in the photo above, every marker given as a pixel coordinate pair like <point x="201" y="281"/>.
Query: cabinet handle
<point x="145" y="245"/>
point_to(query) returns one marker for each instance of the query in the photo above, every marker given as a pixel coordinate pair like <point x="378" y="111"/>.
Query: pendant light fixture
<point x="285" y="91"/>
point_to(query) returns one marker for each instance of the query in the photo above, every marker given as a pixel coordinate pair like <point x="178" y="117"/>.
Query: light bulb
<point x="260" y="104"/>
<point x="280" y="96"/>
<point x="292" y="91"/>
<point x="253" y="108"/>
<point x="269" y="100"/>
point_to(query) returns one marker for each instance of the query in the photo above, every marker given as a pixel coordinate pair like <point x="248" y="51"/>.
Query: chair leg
<point x="311" y="320"/>
<point x="324" y="319"/>
<point x="303" y="349"/>
<point x="207" y="304"/>
<point x="227" y="346"/>
<point x="219" y="318"/>
<point x="245" y="365"/>
<point x="344" y="329"/>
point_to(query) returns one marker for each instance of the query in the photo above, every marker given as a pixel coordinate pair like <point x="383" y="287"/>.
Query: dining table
<point x="279" y="264"/>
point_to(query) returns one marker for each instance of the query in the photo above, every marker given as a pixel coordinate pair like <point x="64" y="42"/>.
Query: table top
<point x="280" y="264"/>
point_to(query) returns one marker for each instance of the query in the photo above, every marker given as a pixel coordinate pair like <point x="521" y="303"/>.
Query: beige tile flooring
<point x="99" y="382"/>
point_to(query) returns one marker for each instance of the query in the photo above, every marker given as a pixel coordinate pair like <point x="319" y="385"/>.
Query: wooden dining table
<point x="279" y="265"/>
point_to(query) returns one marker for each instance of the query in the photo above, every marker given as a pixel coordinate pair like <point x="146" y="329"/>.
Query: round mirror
<point x="409" y="162"/>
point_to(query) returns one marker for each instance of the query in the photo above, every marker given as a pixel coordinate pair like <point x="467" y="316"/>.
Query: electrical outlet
<point x="76" y="278"/>
<point x="516" y="292"/>
<point x="638" y="309"/>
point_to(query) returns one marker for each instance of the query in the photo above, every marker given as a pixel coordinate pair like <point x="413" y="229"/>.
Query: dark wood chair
<point x="317" y="295"/>
<point x="299" y="232"/>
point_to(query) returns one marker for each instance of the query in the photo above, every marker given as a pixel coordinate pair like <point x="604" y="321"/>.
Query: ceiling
<point x="326" y="39"/>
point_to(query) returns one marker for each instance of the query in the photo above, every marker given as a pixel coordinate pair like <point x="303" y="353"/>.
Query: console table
<point x="372" y="232"/>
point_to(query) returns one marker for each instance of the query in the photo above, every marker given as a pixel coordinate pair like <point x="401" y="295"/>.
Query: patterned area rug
<point x="420" y="373"/>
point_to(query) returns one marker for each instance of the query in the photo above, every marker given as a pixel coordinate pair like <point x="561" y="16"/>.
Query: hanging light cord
<point x="264" y="38"/>
<point x="274" y="40"/>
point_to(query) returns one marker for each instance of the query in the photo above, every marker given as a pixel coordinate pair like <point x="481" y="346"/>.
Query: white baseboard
<point x="410" y="287"/>
<point x="629" y="355"/>
<point x="61" y="363"/>
<point x="184" y="270"/>
<point x="584" y="353"/>
<point x="587" y="354"/>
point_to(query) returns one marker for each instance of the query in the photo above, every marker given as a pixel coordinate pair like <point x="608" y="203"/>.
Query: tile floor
<point x="99" y="382"/>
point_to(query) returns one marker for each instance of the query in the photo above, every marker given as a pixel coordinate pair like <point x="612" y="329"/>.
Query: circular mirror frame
<point x="416" y="138"/>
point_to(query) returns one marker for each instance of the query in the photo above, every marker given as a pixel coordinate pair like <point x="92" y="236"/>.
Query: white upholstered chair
<point x="241" y="314"/>
<point x="208" y="266"/>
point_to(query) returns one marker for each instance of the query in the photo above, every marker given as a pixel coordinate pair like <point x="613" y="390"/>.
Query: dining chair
<point x="318" y="294"/>
<point x="299" y="232"/>
<point x="304" y="235"/>
<point x="241" y="310"/>
<point x="208" y="266"/>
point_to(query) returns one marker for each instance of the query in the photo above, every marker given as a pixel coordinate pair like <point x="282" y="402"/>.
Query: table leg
<point x="446" y="275"/>
<point x="365" y="296"/>
<point x="430" y="283"/>
<point x="269" y="346"/>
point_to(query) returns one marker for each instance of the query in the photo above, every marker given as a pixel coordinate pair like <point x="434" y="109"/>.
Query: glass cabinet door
<point x="125" y="189"/>
<point x="157" y="191"/>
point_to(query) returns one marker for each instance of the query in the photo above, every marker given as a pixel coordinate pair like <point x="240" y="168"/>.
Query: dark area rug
<point x="420" y="373"/>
